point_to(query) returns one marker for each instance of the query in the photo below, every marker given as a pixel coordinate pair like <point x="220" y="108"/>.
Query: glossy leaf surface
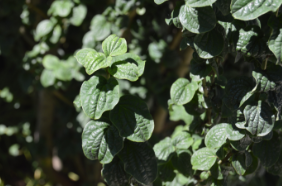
<point x="182" y="91"/>
<point x="203" y="159"/>
<point x="139" y="161"/>
<point x="132" y="118"/>
<point x="98" y="95"/>
<point x="101" y="141"/>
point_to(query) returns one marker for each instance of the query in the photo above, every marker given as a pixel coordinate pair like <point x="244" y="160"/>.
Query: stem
<point x="63" y="98"/>
<point x="227" y="157"/>
<point x="264" y="64"/>
<point x="108" y="75"/>
<point x="37" y="10"/>
<point x="205" y="87"/>
<point x="277" y="13"/>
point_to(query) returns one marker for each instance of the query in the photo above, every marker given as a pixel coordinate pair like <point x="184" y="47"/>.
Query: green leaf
<point x="114" y="173"/>
<point x="77" y="102"/>
<point x="60" y="8"/>
<point x="98" y="95"/>
<point x="231" y="30"/>
<point x="182" y="140"/>
<point x="263" y="83"/>
<point x="133" y="119"/>
<point x="178" y="112"/>
<point x="251" y="9"/>
<point x="78" y="15"/>
<point x="253" y="167"/>
<point x="164" y="149"/>
<point x="57" y="32"/>
<point x="216" y="136"/>
<point x="223" y="6"/>
<point x="242" y="144"/>
<point x="89" y="40"/>
<point x="237" y="90"/>
<point x="238" y="163"/>
<point x="139" y="161"/>
<point x="199" y="3"/>
<point x="182" y="91"/>
<point x="197" y="20"/>
<point x="181" y="161"/>
<point x="205" y="44"/>
<point x="100" y="27"/>
<point x="63" y="73"/>
<point x="91" y="60"/>
<point x="160" y="1"/>
<point x="43" y="28"/>
<point x="216" y="172"/>
<point x="50" y="62"/>
<point x="268" y="151"/>
<point x="101" y="141"/>
<point x="47" y="78"/>
<point x="204" y="175"/>
<point x="233" y="133"/>
<point x="250" y="42"/>
<point x="166" y="171"/>
<point x="114" y="46"/>
<point x="259" y="118"/>
<point x="275" y="39"/>
<point x="276" y="169"/>
<point x="175" y="17"/>
<point x="127" y="66"/>
<point x="199" y="69"/>
<point x="203" y="159"/>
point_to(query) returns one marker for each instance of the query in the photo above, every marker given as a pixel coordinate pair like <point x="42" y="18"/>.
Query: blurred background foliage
<point x="40" y="127"/>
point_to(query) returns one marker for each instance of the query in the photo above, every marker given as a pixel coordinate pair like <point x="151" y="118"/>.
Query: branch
<point x="37" y="10"/>
<point x="63" y="98"/>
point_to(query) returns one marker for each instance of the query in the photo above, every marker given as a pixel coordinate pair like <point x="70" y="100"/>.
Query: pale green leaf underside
<point x="50" y="62"/>
<point x="139" y="161"/>
<point x="158" y="2"/>
<point x="91" y="60"/>
<point x="178" y="112"/>
<point x="79" y="13"/>
<point x="60" y="8"/>
<point x="182" y="91"/>
<point x="250" y="42"/>
<point x="205" y="44"/>
<point x="44" y="28"/>
<point x="133" y="119"/>
<point x="199" y="3"/>
<point x="114" y="173"/>
<point x="57" y="32"/>
<point x="238" y="163"/>
<point x="233" y="133"/>
<point x="263" y="83"/>
<point x="216" y="136"/>
<point x="100" y="27"/>
<point x="47" y="78"/>
<point x="101" y="141"/>
<point x="164" y="149"/>
<point x="251" y="9"/>
<point x="182" y="140"/>
<point x="197" y="20"/>
<point x="259" y="118"/>
<point x="98" y="95"/>
<point x="114" y="46"/>
<point x="275" y="40"/>
<point x="203" y="159"/>
<point x="127" y="66"/>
